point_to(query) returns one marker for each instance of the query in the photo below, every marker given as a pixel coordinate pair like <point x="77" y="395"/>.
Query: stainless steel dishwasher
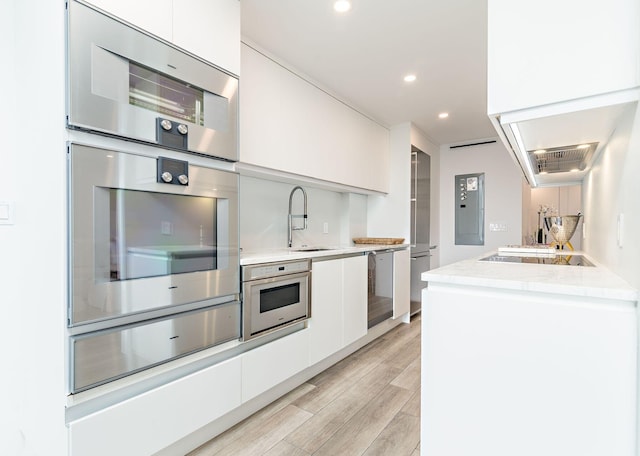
<point x="380" y="287"/>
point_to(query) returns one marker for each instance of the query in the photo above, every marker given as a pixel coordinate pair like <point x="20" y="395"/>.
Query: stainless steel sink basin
<point x="310" y="249"/>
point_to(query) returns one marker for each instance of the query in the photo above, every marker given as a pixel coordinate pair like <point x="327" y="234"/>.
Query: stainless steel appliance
<point x="275" y="295"/>
<point x="380" y="287"/>
<point x="124" y="82"/>
<point x="421" y="250"/>
<point x="150" y="238"/>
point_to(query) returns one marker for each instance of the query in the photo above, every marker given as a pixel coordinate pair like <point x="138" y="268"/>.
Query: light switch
<point x="166" y="228"/>
<point x="6" y="213"/>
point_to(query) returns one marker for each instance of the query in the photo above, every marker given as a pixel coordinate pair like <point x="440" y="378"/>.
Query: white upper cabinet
<point x="548" y="51"/>
<point x="153" y="16"/>
<point x="562" y="75"/>
<point x="288" y="124"/>
<point x="208" y="29"/>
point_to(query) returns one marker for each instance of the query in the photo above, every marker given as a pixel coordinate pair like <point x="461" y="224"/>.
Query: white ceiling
<point x="362" y="56"/>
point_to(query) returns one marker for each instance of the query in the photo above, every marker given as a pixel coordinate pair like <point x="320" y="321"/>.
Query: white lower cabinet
<point x="325" y="326"/>
<point x="151" y="421"/>
<point x="354" y="299"/>
<point x="266" y="366"/>
<point x="338" y="305"/>
<point x="508" y="373"/>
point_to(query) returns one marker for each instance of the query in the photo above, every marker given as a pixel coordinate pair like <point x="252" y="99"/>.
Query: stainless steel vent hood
<point x="557" y="144"/>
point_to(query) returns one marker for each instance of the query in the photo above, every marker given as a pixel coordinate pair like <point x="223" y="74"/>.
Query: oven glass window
<point x="157" y="92"/>
<point x="154" y="234"/>
<point x="277" y="297"/>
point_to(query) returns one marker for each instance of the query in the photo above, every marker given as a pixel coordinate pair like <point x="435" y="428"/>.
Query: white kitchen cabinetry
<point x="325" y="325"/>
<point x="266" y="366"/>
<point x="339" y="305"/>
<point x="290" y="125"/>
<point x="401" y="283"/>
<point x="208" y="29"/>
<point x="153" y="16"/>
<point x="354" y="298"/>
<point x="509" y="372"/>
<point x="545" y="51"/>
<point x="154" y="420"/>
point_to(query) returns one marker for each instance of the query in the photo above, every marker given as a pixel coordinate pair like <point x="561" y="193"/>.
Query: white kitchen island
<point x="528" y="360"/>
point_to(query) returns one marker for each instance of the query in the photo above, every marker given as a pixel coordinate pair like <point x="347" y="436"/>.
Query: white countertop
<point x="284" y="254"/>
<point x="596" y="281"/>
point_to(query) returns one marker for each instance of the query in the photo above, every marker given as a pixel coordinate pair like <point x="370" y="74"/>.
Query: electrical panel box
<point x="469" y="209"/>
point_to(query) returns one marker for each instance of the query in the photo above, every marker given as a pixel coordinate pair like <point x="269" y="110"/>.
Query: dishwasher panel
<point x="380" y="288"/>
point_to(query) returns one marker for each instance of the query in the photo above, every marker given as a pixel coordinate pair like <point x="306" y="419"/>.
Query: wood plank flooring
<point x="367" y="404"/>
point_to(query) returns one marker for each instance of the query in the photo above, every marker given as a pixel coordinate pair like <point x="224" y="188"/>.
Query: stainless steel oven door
<point x="137" y="244"/>
<point x="275" y="302"/>
<point x="124" y="82"/>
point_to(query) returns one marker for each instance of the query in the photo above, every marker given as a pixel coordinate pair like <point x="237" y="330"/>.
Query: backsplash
<point x="264" y="207"/>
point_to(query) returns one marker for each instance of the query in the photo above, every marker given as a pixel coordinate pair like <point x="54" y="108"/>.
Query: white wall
<point x="610" y="189"/>
<point x="32" y="262"/>
<point x="503" y="198"/>
<point x="264" y="207"/>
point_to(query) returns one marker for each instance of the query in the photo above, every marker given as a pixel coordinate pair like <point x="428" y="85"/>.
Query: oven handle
<point x="277" y="278"/>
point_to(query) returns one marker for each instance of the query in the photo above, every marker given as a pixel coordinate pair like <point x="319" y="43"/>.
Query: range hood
<point x="557" y="144"/>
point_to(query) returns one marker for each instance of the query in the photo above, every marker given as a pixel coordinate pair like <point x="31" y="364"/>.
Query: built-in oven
<point x="125" y="82"/>
<point x="153" y="261"/>
<point x="275" y="296"/>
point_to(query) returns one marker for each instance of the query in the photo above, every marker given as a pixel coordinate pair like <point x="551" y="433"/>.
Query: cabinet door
<point x="209" y="29"/>
<point x="325" y="325"/>
<point x="282" y="114"/>
<point x="153" y="16"/>
<point x="401" y="283"/>
<point x="149" y="422"/>
<point x="266" y="366"/>
<point x="528" y="67"/>
<point x="354" y="299"/>
<point x="542" y="369"/>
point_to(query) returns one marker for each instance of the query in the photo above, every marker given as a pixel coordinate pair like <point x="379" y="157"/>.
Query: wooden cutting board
<point x="383" y="241"/>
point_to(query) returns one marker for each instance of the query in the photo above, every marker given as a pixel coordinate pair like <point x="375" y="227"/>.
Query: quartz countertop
<point x="596" y="281"/>
<point x="297" y="253"/>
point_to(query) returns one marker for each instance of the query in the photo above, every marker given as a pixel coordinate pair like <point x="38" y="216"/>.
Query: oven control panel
<point x="261" y="271"/>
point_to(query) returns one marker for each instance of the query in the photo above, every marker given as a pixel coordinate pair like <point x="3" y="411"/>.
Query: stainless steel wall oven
<point x="124" y="82"/>
<point x="275" y="296"/>
<point x="154" y="261"/>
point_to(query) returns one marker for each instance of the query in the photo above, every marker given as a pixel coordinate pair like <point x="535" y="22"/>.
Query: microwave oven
<point x="122" y="81"/>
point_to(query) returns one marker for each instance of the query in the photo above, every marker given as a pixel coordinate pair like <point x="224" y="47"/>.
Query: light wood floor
<point x="367" y="404"/>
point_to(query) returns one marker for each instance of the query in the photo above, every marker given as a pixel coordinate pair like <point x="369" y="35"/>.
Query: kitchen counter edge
<point x="270" y="256"/>
<point x="595" y="282"/>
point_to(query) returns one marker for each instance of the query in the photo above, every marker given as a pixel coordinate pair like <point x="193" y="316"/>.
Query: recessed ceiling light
<point x="342" y="6"/>
<point x="575" y="170"/>
<point x="443" y="115"/>
<point x="583" y="146"/>
<point x="410" y="78"/>
<point x="540" y="151"/>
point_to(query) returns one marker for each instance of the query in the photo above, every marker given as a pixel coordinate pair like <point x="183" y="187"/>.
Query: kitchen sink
<point x="311" y="249"/>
